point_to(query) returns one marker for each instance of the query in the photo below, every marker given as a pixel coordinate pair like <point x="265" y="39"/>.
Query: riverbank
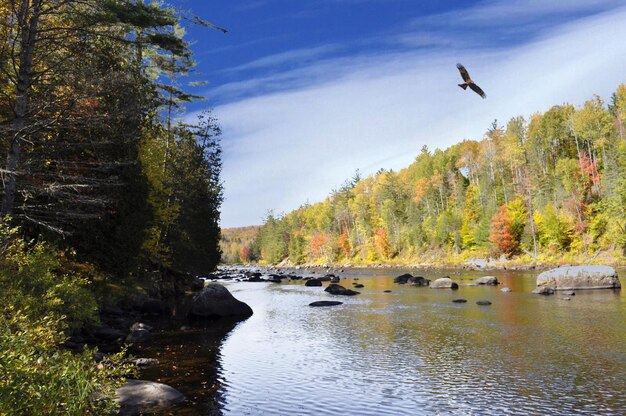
<point x="467" y="261"/>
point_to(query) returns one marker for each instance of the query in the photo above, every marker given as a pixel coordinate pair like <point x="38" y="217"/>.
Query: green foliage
<point x="36" y="277"/>
<point x="556" y="180"/>
<point x="38" y="378"/>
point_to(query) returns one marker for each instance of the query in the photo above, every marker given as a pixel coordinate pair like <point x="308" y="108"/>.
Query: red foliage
<point x="502" y="234"/>
<point x="244" y="253"/>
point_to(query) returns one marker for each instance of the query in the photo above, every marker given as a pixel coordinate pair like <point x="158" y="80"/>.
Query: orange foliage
<point x="381" y="240"/>
<point x="344" y="244"/>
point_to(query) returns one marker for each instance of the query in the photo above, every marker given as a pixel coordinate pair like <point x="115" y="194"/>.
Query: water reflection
<point x="413" y="351"/>
<point x="190" y="361"/>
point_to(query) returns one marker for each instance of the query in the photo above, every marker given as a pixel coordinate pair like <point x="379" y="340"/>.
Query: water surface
<point x="415" y="352"/>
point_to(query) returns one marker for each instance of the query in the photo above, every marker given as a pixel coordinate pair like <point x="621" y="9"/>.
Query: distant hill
<point x="236" y="244"/>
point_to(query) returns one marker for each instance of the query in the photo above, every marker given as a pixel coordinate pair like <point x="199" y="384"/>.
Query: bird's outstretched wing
<point x="477" y="90"/>
<point x="464" y="73"/>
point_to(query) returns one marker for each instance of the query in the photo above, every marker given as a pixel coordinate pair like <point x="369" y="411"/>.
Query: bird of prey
<point x="468" y="81"/>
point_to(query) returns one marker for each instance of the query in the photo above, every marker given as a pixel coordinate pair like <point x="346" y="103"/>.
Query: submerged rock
<point x="544" y="290"/>
<point x="335" y="289"/>
<point x="483" y="302"/>
<point x="140" y="396"/>
<point x="579" y="277"/>
<point x="216" y="301"/>
<point x="146" y="362"/>
<point x="359" y="285"/>
<point x="444" y="283"/>
<point x="506" y="289"/>
<point x="325" y="303"/>
<point x="459" y="300"/>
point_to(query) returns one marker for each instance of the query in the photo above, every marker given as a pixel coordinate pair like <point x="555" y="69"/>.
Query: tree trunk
<point x="28" y="22"/>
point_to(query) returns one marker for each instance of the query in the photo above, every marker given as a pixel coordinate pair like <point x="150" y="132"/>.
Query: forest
<point x="550" y="188"/>
<point x="103" y="185"/>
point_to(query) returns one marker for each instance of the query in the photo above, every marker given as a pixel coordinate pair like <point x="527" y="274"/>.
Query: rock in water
<point x="483" y="302"/>
<point x="418" y="281"/>
<point x="216" y="301"/>
<point x="579" y="277"/>
<point x="444" y="283"/>
<point x="486" y="280"/>
<point x="506" y="289"/>
<point x="459" y="300"/>
<point x="140" y="396"/>
<point x="335" y="289"/>
<point x="325" y="303"/>
<point x="402" y="279"/>
<point x="313" y="282"/>
<point x="544" y="290"/>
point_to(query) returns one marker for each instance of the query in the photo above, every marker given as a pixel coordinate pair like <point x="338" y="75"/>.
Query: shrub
<point x="38" y="378"/>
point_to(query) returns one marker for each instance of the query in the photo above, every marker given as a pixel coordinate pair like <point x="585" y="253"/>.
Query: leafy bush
<point x="34" y="279"/>
<point x="38" y="378"/>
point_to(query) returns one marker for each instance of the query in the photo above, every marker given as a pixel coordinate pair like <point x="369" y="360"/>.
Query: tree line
<point x="552" y="186"/>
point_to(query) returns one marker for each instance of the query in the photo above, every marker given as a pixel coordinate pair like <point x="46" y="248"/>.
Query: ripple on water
<point x="414" y="352"/>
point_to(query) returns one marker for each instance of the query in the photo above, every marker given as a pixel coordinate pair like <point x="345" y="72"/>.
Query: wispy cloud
<point x="314" y="126"/>
<point x="297" y="56"/>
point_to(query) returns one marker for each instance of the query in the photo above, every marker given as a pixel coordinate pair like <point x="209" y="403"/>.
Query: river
<point x="411" y="351"/>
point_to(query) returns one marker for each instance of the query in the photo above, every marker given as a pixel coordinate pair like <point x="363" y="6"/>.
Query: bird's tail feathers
<point x="464" y="86"/>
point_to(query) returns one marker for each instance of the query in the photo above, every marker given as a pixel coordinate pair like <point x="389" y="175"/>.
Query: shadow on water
<point x="189" y="359"/>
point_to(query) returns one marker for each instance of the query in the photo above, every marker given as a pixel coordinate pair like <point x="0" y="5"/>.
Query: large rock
<point x="216" y="301"/>
<point x="486" y="280"/>
<point x="418" y="281"/>
<point x="403" y="278"/>
<point x="335" y="289"/>
<point x="579" y="277"/>
<point x="444" y="283"/>
<point x="140" y="396"/>
<point x="140" y="335"/>
<point x="313" y="282"/>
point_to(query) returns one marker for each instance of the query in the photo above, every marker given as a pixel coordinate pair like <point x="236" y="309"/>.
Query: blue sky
<point x="307" y="92"/>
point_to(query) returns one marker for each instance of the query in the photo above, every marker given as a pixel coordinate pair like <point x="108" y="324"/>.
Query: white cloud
<point x="284" y="148"/>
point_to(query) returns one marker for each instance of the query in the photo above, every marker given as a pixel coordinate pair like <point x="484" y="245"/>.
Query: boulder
<point x="313" y="282"/>
<point x="506" y="289"/>
<point x="216" y="301"/>
<point x="358" y="285"/>
<point x="483" y="302"/>
<point x="325" y="303"/>
<point x="140" y="335"/>
<point x="402" y="279"/>
<point x="459" y="300"/>
<point x="140" y="396"/>
<point x="139" y="325"/>
<point x="335" y="289"/>
<point x="418" y="281"/>
<point x="579" y="277"/>
<point x="444" y="283"/>
<point x="544" y="290"/>
<point x="387" y="291"/>
<point x="486" y="280"/>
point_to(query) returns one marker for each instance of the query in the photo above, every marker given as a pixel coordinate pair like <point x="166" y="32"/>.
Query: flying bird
<point x="468" y="82"/>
